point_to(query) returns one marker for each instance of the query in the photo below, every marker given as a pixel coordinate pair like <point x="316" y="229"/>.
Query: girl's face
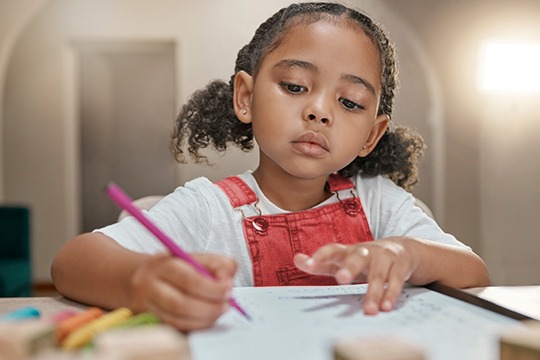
<point x="313" y="103"/>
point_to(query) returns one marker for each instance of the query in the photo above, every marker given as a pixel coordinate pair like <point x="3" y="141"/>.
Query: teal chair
<point x="15" y="263"/>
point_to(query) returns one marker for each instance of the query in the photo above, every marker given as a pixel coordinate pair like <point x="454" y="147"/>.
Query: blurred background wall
<point x="89" y="90"/>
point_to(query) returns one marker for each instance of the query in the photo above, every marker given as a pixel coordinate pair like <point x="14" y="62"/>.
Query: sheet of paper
<point x="304" y="323"/>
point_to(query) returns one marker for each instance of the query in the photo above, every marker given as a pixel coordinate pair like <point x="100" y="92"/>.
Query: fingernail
<point x="344" y="276"/>
<point x="387" y="305"/>
<point x="371" y="308"/>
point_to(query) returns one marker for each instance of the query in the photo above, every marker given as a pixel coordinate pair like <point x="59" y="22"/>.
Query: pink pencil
<point x="123" y="200"/>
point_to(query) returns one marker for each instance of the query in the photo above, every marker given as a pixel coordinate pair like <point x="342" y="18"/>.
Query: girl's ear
<point x="377" y="131"/>
<point x="243" y="89"/>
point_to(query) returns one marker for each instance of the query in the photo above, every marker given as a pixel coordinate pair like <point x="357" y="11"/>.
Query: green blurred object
<point x="15" y="262"/>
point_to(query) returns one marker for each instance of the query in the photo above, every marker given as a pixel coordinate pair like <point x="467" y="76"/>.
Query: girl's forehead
<point x="302" y="24"/>
<point x="337" y="41"/>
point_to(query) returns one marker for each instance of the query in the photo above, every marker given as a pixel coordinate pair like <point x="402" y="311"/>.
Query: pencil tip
<point x="246" y="315"/>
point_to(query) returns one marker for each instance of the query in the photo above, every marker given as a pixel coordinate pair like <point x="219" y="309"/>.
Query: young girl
<point x="327" y="203"/>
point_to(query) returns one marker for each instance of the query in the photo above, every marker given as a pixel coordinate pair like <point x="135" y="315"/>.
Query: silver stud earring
<point x="363" y="147"/>
<point x="244" y="112"/>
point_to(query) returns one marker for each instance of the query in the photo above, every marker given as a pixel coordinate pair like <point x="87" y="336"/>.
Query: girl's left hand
<point x="384" y="264"/>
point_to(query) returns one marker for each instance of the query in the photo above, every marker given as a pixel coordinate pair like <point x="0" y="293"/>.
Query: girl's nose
<point x="318" y="110"/>
<point x="323" y="120"/>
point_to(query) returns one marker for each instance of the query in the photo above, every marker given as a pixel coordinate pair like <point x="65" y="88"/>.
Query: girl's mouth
<point x="311" y="144"/>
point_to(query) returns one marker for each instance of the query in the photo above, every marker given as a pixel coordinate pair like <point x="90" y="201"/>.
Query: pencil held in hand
<point x="123" y="200"/>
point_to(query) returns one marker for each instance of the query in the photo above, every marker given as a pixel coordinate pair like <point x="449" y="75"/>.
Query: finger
<point x="190" y="317"/>
<point x="333" y="253"/>
<point x="222" y="267"/>
<point x="187" y="324"/>
<point x="353" y="265"/>
<point x="176" y="306"/>
<point x="308" y="265"/>
<point x="377" y="276"/>
<point x="303" y="262"/>
<point x="325" y="261"/>
<point x="186" y="278"/>
<point x="396" y="279"/>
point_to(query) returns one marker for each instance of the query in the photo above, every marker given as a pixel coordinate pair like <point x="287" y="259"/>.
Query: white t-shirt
<point x="199" y="217"/>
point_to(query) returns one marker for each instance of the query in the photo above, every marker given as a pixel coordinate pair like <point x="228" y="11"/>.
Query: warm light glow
<point x="511" y="67"/>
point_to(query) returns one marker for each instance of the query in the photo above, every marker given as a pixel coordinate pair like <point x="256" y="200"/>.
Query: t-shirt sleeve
<point x="183" y="215"/>
<point x="392" y="211"/>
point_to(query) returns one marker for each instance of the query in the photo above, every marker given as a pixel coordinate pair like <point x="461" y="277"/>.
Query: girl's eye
<point x="293" y="88"/>
<point x="350" y="105"/>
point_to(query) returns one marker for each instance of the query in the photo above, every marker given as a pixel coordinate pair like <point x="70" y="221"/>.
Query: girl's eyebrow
<point x="291" y="63"/>
<point x="358" y="80"/>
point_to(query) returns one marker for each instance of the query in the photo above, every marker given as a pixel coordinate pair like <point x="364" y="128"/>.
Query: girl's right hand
<point x="174" y="291"/>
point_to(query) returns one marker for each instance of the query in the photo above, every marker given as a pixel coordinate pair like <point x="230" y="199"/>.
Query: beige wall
<point x="39" y="109"/>
<point x="493" y="140"/>
<point x="14" y="17"/>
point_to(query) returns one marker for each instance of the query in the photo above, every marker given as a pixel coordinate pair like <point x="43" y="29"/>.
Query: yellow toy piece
<point x="83" y="335"/>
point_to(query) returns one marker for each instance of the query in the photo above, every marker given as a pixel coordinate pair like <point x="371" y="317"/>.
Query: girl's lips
<point x="311" y="144"/>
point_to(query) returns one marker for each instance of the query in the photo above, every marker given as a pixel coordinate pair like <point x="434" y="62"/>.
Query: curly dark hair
<point x="208" y="118"/>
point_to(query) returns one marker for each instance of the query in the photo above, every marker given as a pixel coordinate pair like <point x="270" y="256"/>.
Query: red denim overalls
<point x="273" y="240"/>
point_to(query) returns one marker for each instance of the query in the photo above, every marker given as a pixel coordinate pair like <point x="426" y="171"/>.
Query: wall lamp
<point x="510" y="67"/>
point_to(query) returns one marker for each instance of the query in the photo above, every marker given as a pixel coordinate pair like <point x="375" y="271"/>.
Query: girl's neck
<point x="291" y="193"/>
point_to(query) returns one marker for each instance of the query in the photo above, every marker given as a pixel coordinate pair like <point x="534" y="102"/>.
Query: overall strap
<point x="337" y="182"/>
<point x="238" y="192"/>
